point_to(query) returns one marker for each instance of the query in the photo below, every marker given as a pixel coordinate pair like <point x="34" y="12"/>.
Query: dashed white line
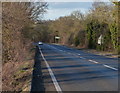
<point x="82" y="58"/>
<point x="68" y="53"/>
<point x="89" y="60"/>
<point x="57" y="86"/>
<point x="93" y="61"/>
<point x="110" y="67"/>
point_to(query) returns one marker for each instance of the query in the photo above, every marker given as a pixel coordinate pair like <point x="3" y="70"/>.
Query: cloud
<point x="56" y="13"/>
<point x="57" y="9"/>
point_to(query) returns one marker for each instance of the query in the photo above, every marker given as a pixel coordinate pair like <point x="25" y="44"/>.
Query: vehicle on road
<point x="40" y="43"/>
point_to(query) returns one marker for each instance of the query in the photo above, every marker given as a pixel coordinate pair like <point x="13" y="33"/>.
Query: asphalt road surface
<point x="68" y="69"/>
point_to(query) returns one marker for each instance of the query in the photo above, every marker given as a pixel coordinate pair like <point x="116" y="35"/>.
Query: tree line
<point x="22" y="25"/>
<point x="84" y="30"/>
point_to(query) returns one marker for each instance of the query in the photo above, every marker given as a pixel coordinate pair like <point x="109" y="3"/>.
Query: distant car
<point x="40" y="43"/>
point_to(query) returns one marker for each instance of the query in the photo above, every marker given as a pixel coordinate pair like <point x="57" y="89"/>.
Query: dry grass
<point x="17" y="76"/>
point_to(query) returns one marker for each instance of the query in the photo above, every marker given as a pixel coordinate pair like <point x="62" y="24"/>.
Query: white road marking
<point x="82" y="58"/>
<point x="57" y="86"/>
<point x="52" y="47"/>
<point x="88" y="60"/>
<point x="68" y="53"/>
<point x="63" y="51"/>
<point x="110" y="67"/>
<point x="56" y="48"/>
<point x="93" y="61"/>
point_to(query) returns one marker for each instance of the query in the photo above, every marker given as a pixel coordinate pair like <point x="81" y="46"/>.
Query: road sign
<point x="57" y="37"/>
<point x="100" y="40"/>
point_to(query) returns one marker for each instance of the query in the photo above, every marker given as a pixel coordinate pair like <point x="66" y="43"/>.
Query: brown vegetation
<point x="22" y="25"/>
<point x="17" y="76"/>
<point x="17" y="46"/>
<point x="16" y="16"/>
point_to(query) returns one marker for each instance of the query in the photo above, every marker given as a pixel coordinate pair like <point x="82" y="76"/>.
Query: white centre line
<point x="88" y="60"/>
<point x="110" y="67"/>
<point x="57" y="86"/>
<point x="68" y="53"/>
<point x="60" y="50"/>
<point x="93" y="61"/>
<point x="82" y="58"/>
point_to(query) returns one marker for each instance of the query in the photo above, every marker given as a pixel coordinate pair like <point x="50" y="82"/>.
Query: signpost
<point x="57" y="39"/>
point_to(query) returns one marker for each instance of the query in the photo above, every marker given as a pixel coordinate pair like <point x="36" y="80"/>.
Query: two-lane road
<point x="67" y="69"/>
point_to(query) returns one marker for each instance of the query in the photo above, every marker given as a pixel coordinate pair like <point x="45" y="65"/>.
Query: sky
<point x="66" y="7"/>
<point x="58" y="9"/>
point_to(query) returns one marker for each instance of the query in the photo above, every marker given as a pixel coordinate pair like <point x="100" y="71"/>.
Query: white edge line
<point x="51" y="74"/>
<point x="110" y="67"/>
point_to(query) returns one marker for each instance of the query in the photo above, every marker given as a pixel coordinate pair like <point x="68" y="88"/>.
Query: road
<point x="68" y="69"/>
